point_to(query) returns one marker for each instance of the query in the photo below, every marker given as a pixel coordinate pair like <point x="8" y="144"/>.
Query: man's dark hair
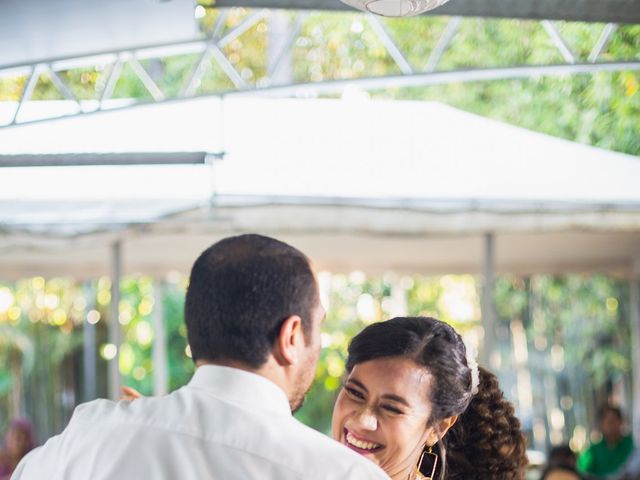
<point x="603" y="410"/>
<point x="240" y="291"/>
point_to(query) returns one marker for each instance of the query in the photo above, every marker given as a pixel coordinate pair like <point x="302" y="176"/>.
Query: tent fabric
<point x="337" y="148"/>
<point x="406" y="176"/>
<point x="158" y="253"/>
<point x="33" y="31"/>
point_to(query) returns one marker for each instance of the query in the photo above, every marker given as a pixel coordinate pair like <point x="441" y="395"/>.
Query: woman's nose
<point x="367" y="420"/>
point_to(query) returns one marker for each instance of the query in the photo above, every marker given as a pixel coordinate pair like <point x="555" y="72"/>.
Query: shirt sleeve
<point x="38" y="463"/>
<point x="366" y="471"/>
<point x="18" y="472"/>
<point x="585" y="461"/>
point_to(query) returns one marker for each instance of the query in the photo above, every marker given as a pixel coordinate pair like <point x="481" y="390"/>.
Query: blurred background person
<point x="607" y="456"/>
<point x="561" y="465"/>
<point x="631" y="469"/>
<point x="18" y="441"/>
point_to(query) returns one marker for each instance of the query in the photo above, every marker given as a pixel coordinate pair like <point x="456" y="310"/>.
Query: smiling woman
<point x="382" y="413"/>
<point x="408" y="385"/>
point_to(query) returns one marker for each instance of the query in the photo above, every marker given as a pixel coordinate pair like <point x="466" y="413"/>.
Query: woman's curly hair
<point x="486" y="442"/>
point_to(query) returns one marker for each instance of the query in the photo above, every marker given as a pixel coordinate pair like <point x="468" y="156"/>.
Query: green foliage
<point x="136" y="306"/>
<point x="339" y="46"/>
<point x="600" y="109"/>
<point x="6" y="383"/>
<point x="41" y="331"/>
<point x="181" y="367"/>
<point x="37" y="338"/>
<point x="582" y="314"/>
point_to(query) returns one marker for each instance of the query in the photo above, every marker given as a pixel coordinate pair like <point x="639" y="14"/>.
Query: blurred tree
<point x="575" y="328"/>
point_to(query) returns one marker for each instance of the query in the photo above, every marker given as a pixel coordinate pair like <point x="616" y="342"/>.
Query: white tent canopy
<point x="355" y="183"/>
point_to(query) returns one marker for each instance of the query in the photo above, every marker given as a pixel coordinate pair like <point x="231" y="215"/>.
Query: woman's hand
<point x="130" y="394"/>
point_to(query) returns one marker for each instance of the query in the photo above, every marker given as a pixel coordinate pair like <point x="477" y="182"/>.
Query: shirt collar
<point x="241" y="387"/>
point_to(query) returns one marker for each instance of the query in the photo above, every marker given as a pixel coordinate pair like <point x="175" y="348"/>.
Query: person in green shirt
<point x="609" y="454"/>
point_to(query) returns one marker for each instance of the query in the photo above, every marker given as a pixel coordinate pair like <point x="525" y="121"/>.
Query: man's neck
<point x="227" y="363"/>
<point x="269" y="370"/>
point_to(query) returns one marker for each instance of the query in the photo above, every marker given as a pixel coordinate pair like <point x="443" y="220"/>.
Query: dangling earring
<point x="426" y="468"/>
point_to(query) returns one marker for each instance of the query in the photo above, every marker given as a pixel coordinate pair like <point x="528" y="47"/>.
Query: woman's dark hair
<point x="487" y="442"/>
<point x="240" y="291"/>
<point x="486" y="424"/>
<point x="433" y="345"/>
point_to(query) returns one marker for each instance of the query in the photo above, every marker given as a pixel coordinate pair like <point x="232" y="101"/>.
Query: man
<point x="253" y="320"/>
<point x="609" y="454"/>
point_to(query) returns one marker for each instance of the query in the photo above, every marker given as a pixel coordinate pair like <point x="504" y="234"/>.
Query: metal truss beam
<point x="439" y="78"/>
<point x="92" y="159"/>
<point x="212" y="52"/>
<point x="616" y="11"/>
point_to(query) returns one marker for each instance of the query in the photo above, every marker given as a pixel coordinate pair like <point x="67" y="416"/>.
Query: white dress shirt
<point x="226" y="424"/>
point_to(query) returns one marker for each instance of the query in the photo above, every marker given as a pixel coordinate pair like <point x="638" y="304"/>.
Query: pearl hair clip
<point x="473" y="365"/>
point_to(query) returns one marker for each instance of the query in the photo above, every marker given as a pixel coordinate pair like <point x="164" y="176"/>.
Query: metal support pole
<point x="399" y="293"/>
<point x="634" y="299"/>
<point x="280" y="40"/>
<point x="558" y="41"/>
<point x="389" y="44"/>
<point x="487" y="306"/>
<point x="443" y="44"/>
<point x="89" y="353"/>
<point x="159" y="350"/>
<point x="115" y="329"/>
<point x="602" y="42"/>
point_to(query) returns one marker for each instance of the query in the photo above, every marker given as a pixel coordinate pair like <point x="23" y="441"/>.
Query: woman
<point x="561" y="464"/>
<point x="410" y="404"/>
<point x="19" y="440"/>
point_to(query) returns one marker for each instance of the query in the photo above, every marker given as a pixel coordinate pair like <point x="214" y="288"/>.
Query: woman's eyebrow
<point x="358" y="384"/>
<point x="386" y="396"/>
<point x="395" y="398"/>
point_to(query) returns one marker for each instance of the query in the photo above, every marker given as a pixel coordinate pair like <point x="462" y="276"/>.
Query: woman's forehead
<point x="395" y="375"/>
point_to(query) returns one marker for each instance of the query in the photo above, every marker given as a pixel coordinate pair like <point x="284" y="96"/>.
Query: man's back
<point x="226" y="424"/>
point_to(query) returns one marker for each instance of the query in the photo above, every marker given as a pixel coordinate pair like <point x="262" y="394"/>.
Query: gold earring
<point x="427" y="463"/>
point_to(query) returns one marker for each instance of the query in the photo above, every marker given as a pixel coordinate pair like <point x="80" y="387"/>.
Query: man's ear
<point x="287" y="344"/>
<point x="441" y="429"/>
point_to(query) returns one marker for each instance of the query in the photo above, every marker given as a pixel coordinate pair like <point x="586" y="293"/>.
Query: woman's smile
<point x="360" y="444"/>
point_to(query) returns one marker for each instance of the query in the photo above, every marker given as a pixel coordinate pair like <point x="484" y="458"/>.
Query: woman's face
<point x="18" y="441"/>
<point x="382" y="413"/>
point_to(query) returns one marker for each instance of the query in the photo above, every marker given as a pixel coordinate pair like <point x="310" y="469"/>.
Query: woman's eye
<point x="391" y="409"/>
<point x="354" y="393"/>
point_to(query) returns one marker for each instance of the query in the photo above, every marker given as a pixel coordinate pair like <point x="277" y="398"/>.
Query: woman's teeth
<point x="360" y="444"/>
